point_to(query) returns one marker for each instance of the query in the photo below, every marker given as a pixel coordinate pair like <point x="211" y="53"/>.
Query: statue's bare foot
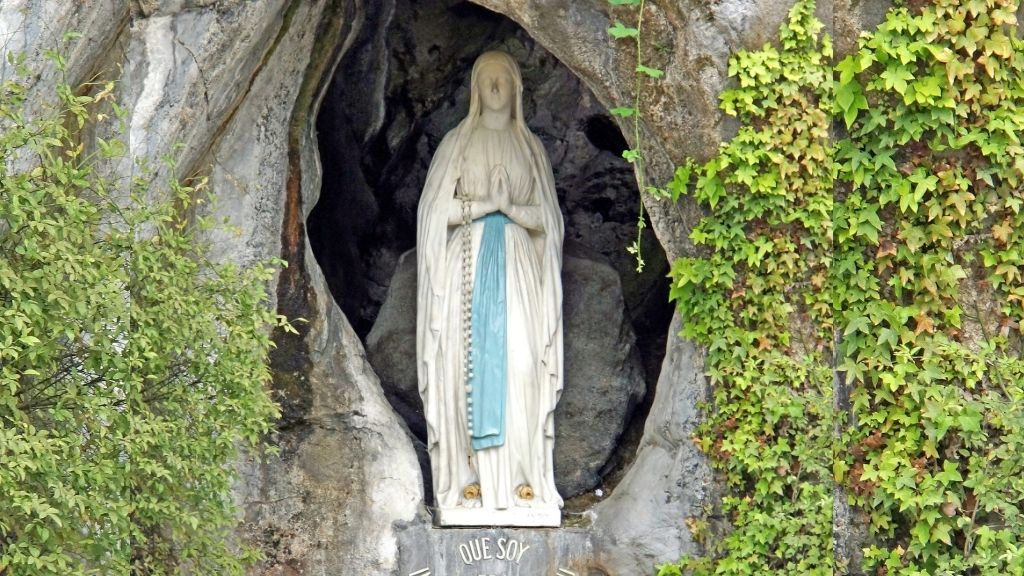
<point x="524" y="496"/>
<point x="471" y="496"/>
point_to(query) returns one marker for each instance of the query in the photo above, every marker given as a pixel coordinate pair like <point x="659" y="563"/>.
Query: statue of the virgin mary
<point x="489" y="315"/>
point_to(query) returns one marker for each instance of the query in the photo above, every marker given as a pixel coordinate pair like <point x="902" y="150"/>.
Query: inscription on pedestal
<point x="478" y="549"/>
<point x="430" y="551"/>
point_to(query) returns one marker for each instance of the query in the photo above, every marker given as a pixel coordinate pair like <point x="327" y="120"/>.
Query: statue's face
<point x="495" y="86"/>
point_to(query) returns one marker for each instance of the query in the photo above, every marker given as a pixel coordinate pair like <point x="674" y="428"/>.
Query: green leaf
<point x="652" y="72"/>
<point x="851" y="100"/>
<point x="921" y="532"/>
<point x="896" y="78"/>
<point x="620" y="30"/>
<point x="677" y="187"/>
<point x="858" y="324"/>
<point x="623" y="112"/>
<point x="950" y="474"/>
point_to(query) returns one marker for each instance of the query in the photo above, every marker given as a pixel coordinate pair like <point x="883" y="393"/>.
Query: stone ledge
<point x="524" y="517"/>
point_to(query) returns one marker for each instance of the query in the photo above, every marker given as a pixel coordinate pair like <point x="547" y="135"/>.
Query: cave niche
<point x="394" y="95"/>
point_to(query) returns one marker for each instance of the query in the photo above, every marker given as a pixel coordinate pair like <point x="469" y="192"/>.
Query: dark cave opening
<point x="602" y="132"/>
<point x="394" y="95"/>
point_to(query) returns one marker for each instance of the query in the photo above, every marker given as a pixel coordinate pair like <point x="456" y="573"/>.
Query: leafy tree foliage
<point x="132" y="369"/>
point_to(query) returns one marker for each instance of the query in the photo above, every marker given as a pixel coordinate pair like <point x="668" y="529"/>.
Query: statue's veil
<point x="472" y="119"/>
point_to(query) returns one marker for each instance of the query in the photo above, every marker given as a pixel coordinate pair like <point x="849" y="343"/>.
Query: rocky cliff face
<point x="233" y="88"/>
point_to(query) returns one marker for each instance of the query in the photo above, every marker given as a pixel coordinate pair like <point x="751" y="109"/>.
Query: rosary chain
<point x="467" y="307"/>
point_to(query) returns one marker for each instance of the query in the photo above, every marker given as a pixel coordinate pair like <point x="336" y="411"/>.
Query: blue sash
<point x="489" y="349"/>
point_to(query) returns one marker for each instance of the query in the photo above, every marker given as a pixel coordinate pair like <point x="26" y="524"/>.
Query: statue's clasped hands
<point x="499" y="193"/>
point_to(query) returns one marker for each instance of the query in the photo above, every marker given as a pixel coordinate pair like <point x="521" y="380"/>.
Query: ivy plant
<point x="899" y="240"/>
<point x="927" y="284"/>
<point x="757" y="301"/>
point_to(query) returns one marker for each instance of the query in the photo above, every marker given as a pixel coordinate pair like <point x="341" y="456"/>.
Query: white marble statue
<point x="489" y="315"/>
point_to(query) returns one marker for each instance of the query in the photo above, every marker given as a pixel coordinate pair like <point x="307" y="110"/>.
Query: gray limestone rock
<point x="604" y="376"/>
<point x="391" y="346"/>
<point x="642" y="523"/>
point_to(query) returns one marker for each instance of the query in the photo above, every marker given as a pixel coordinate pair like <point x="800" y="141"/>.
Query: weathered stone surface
<point x="391" y="346"/>
<point x="850" y="533"/>
<point x="642" y="523"/>
<point x="344" y="477"/>
<point x="30" y="27"/>
<point x="604" y="377"/>
<point x="852" y="16"/>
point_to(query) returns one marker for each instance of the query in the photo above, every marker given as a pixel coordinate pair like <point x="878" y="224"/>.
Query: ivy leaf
<point x="896" y="78"/>
<point x="624" y="2"/>
<point x="680" y="181"/>
<point x="1001" y="232"/>
<point x="851" y="100"/>
<point x="941" y="533"/>
<point x="921" y="532"/>
<point x="858" y="324"/>
<point x="620" y="31"/>
<point x="870" y="224"/>
<point x="623" y="111"/>
<point x="950" y="474"/>
<point x="924" y="323"/>
<point x="908" y="201"/>
<point x="970" y="420"/>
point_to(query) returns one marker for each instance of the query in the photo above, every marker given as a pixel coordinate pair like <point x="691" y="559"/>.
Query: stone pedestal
<point x="524" y="517"/>
<point x="431" y="551"/>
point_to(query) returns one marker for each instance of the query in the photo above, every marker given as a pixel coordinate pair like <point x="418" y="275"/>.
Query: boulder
<point x="604" y="375"/>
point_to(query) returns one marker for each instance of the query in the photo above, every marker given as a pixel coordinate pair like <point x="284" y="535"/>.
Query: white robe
<point x="534" y="329"/>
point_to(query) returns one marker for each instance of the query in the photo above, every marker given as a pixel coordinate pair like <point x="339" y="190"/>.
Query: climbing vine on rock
<point x="928" y="288"/>
<point x="757" y="301"/>
<point x="922" y="273"/>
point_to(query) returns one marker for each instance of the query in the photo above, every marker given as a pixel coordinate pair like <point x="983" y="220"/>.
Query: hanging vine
<point x="634" y="155"/>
